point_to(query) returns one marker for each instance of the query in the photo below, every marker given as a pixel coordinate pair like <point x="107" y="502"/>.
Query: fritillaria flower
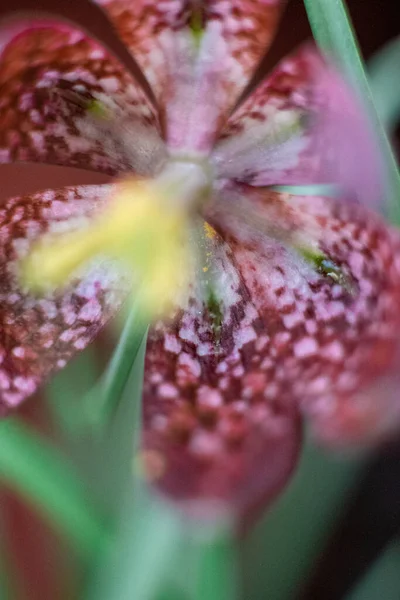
<point x="275" y="305"/>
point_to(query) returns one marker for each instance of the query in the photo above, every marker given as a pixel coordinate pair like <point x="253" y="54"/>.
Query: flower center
<point x="146" y="225"/>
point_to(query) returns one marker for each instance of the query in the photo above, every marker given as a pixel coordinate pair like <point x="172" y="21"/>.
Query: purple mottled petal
<point x="367" y="416"/>
<point x="49" y="73"/>
<point x="302" y="125"/>
<point x="149" y="30"/>
<point x="196" y="77"/>
<point x="39" y="335"/>
<point x="213" y="436"/>
<point x="331" y="340"/>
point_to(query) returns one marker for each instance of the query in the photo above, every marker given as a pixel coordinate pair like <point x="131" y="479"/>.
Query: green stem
<point x="384" y="77"/>
<point x="216" y="572"/>
<point x="143" y="554"/>
<point x="34" y="469"/>
<point x="382" y="580"/>
<point x="334" y="33"/>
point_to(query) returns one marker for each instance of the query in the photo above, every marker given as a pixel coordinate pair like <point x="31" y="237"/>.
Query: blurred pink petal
<point x="302" y="125"/>
<point x="332" y="346"/>
<point x="368" y="416"/>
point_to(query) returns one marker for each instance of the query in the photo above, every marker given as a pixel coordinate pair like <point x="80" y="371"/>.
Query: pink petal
<point x="367" y="416"/>
<point x="213" y="437"/>
<point x="48" y="70"/>
<point x="195" y="80"/>
<point x="302" y="125"/>
<point x="39" y="335"/>
<point x="333" y="347"/>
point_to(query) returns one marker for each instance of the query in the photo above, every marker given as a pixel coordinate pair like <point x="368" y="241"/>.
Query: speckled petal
<point x="39" y="335"/>
<point x="49" y="72"/>
<point x="333" y="333"/>
<point x="214" y="438"/>
<point x="302" y="125"/>
<point x="197" y="56"/>
<point x="365" y="416"/>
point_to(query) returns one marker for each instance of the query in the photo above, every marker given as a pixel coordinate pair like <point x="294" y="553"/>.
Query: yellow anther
<point x="209" y="231"/>
<point x="140" y="227"/>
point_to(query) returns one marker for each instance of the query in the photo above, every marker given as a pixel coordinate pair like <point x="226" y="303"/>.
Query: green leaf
<point x="103" y="399"/>
<point x="334" y="34"/>
<point x="135" y="556"/>
<point x="382" y="580"/>
<point x="384" y="77"/>
<point x="170" y="592"/>
<point x="37" y="472"/>
<point x="120" y="439"/>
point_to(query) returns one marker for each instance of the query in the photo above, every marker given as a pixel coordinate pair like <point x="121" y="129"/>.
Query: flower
<point x="293" y="308"/>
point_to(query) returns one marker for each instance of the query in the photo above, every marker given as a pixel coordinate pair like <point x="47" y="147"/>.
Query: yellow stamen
<point x="141" y="227"/>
